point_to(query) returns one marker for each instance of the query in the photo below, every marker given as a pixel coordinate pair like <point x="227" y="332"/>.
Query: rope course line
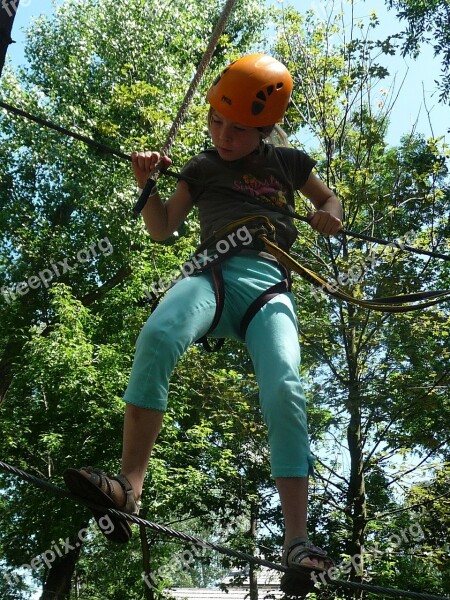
<point x="204" y="62"/>
<point x="169" y="531"/>
<point x="206" y="59"/>
<point x="127" y="158"/>
<point x="67" y="132"/>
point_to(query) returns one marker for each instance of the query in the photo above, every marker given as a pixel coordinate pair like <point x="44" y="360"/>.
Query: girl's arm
<point x="161" y="218"/>
<point x="328" y="217"/>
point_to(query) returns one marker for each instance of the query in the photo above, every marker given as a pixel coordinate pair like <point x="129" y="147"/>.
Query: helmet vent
<point x="261" y="95"/>
<point x="269" y="90"/>
<point x="280" y="85"/>
<point x="257" y="108"/>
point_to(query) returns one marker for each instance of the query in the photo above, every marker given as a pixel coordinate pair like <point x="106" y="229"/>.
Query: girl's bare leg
<point x="141" y="428"/>
<point x="293" y="493"/>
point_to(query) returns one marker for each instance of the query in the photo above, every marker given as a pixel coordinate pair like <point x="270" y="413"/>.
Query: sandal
<point x="98" y="489"/>
<point x="299" y="580"/>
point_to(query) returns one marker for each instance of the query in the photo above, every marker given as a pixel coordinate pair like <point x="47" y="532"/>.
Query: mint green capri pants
<point x="185" y="315"/>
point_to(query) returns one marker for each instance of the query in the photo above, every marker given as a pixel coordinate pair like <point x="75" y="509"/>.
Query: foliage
<point x="427" y="22"/>
<point x="415" y="552"/>
<point x="377" y="385"/>
<point x="374" y="380"/>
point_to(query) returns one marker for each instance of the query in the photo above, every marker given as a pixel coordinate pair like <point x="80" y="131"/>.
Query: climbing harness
<point x="255" y="227"/>
<point x="326" y="579"/>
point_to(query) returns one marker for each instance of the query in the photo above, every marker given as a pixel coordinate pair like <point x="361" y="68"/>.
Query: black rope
<point x="127" y="157"/>
<point x="164" y="529"/>
<point x="77" y="136"/>
<point x="360" y="236"/>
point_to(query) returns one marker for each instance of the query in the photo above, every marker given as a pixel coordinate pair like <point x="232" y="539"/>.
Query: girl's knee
<point x="283" y="401"/>
<point x="155" y="330"/>
<point x="282" y="389"/>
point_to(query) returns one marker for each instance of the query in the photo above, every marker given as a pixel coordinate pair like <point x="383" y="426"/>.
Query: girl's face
<point x="232" y="140"/>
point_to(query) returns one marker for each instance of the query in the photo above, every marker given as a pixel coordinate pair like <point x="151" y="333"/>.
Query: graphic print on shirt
<point x="270" y="191"/>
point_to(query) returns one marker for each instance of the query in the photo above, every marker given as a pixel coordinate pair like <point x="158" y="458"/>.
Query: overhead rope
<point x="361" y="236"/>
<point x="169" y="531"/>
<point x="206" y="59"/>
<point x="67" y="132"/>
<point x="127" y="157"/>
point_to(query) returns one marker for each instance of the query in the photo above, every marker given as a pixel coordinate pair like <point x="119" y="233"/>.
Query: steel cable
<point x="165" y="530"/>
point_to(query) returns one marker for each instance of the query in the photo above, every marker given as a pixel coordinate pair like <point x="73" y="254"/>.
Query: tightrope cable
<point x="169" y="531"/>
<point x="69" y="133"/>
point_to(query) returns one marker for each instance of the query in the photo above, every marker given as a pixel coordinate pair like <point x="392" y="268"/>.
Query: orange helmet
<point x="253" y="91"/>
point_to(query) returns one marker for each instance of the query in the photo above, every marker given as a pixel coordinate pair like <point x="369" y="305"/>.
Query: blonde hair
<point x="278" y="137"/>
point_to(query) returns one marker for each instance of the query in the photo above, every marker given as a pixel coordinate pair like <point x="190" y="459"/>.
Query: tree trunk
<point x="7" y="14"/>
<point x="356" y="499"/>
<point x="253" y="574"/>
<point x="356" y="496"/>
<point x="58" y="581"/>
<point x="146" y="562"/>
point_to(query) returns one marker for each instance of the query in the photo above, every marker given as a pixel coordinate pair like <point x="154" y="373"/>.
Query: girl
<point x="241" y="176"/>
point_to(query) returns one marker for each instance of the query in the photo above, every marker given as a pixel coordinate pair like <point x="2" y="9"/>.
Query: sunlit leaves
<point x="381" y="380"/>
<point x="426" y="22"/>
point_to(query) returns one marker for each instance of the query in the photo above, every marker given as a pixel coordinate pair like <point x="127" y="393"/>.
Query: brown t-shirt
<point x="270" y="175"/>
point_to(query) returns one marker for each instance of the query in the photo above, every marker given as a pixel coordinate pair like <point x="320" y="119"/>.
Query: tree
<point x="427" y="22"/>
<point x="368" y="372"/>
<point x="68" y="333"/>
<point x="418" y="556"/>
<point x="7" y="15"/>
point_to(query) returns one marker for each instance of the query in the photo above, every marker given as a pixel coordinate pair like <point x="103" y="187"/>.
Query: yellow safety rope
<point x="260" y="228"/>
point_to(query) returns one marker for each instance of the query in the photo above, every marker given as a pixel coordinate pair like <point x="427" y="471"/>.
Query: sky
<point x="418" y="76"/>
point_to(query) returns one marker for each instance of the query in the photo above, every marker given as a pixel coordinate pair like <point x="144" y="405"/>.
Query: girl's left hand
<point x="324" y="222"/>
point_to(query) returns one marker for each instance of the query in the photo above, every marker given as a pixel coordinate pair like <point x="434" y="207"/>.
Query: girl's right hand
<point x="143" y="163"/>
